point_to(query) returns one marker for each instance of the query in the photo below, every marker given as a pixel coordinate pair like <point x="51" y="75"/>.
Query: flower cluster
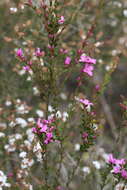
<point x="26" y="62"/>
<point x="45" y="130"/>
<point x="88" y="66"/>
<point x="119" y="166"/>
<point x="3" y="180"/>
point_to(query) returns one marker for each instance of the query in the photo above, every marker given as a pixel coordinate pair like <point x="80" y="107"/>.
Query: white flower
<point x="37" y="147"/>
<point x="77" y="147"/>
<point x="65" y="116"/>
<point x="125" y="12"/>
<point x="35" y="90"/>
<point x="119" y="186"/>
<point x="58" y="114"/>
<point x="2" y="135"/>
<point x="9" y="148"/>
<point x="22" y="154"/>
<point x="28" y="78"/>
<point x="12" y="124"/>
<point x="27" y="163"/>
<point x="63" y="96"/>
<point x="86" y="170"/>
<point x="13" y="9"/>
<point x="18" y="100"/>
<point x="21" y="109"/>
<point x="39" y="156"/>
<point x="97" y="164"/>
<point x="18" y="136"/>
<point x="40" y="113"/>
<point x="28" y="144"/>
<point x="50" y="108"/>
<point x="31" y="119"/>
<point x="30" y="187"/>
<point x="21" y="72"/>
<point x="3" y="125"/>
<point x="8" y="103"/>
<point x="95" y="126"/>
<point x="21" y="122"/>
<point x="11" y="140"/>
<point x="3" y="180"/>
<point x="30" y="135"/>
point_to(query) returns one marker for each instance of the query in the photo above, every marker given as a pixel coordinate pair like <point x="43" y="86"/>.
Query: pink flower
<point x="49" y="137"/>
<point x="67" y="61"/>
<point x="26" y="68"/>
<point x="84" y="136"/>
<point x="59" y="188"/>
<point x="87" y="59"/>
<point x="10" y="174"/>
<point x="61" y="20"/>
<point x="30" y="2"/>
<point x="111" y="159"/>
<point x="29" y="62"/>
<point x="88" y="69"/>
<point x="42" y="126"/>
<point x="63" y="51"/>
<point x="39" y="53"/>
<point x="34" y="130"/>
<point x="116" y="169"/>
<point x="86" y="102"/>
<point x="120" y="161"/>
<point x="124" y="174"/>
<point x="97" y="87"/>
<point x="19" y="53"/>
<point x="43" y="129"/>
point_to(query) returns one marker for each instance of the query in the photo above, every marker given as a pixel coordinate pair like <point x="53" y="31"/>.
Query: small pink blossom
<point x="39" y="53"/>
<point x="86" y="102"/>
<point x="116" y="169"/>
<point x="30" y="2"/>
<point x="19" y="53"/>
<point x="29" y="62"/>
<point x="44" y="127"/>
<point x="50" y="47"/>
<point x="26" y="68"/>
<point x="97" y="87"/>
<point x="49" y="137"/>
<point x="120" y="161"/>
<point x="124" y="174"/>
<point x="87" y="59"/>
<point x="51" y="35"/>
<point x="115" y="161"/>
<point x="61" y="20"/>
<point x="84" y="135"/>
<point x="59" y="188"/>
<point x="111" y="159"/>
<point x="34" y="130"/>
<point x="63" y="51"/>
<point x="10" y="174"/>
<point x="67" y="61"/>
<point x="88" y="69"/>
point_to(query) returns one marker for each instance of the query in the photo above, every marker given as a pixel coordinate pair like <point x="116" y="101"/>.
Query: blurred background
<point x="19" y="97"/>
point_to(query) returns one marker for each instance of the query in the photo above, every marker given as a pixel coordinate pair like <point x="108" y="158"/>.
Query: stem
<point x="70" y="178"/>
<point x="60" y="164"/>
